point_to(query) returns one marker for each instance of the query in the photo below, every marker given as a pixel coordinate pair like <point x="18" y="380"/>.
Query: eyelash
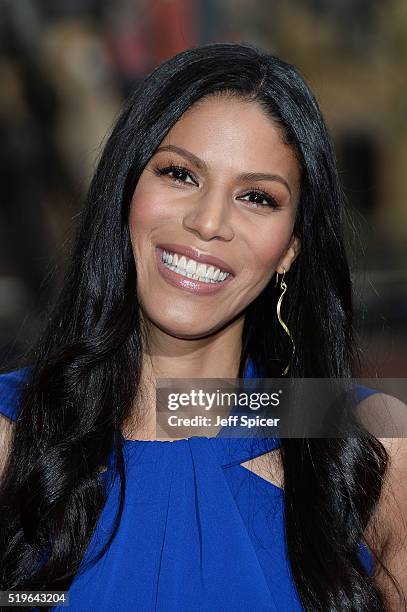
<point x="161" y="171"/>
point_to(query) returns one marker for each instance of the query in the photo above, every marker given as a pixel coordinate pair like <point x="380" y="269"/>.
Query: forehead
<point x="236" y="135"/>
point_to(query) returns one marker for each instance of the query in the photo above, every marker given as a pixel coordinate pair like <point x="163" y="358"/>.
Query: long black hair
<point x="86" y="364"/>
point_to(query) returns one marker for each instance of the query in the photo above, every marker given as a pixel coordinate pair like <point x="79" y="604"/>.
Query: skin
<point x="211" y="209"/>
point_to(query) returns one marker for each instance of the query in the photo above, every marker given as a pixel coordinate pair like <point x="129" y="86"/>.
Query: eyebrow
<point x="245" y="176"/>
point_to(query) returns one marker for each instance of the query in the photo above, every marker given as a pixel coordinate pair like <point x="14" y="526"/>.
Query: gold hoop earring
<point x="283" y="287"/>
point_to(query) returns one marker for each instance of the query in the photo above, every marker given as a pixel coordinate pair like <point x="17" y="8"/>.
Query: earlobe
<point x="290" y="255"/>
<point x="296" y="246"/>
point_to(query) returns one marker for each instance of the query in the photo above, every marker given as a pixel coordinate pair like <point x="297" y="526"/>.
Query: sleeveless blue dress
<point x="199" y="531"/>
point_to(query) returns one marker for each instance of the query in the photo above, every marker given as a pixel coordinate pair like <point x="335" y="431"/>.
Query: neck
<point x="215" y="356"/>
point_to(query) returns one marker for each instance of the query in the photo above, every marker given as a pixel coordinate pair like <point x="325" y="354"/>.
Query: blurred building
<point x="67" y="65"/>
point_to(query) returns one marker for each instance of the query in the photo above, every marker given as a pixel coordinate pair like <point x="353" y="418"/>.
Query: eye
<point x="261" y="198"/>
<point x="179" y="174"/>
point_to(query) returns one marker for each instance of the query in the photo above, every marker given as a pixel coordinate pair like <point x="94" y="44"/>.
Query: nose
<point x="210" y="217"/>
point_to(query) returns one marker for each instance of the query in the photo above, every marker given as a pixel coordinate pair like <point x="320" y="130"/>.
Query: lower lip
<point x="189" y="284"/>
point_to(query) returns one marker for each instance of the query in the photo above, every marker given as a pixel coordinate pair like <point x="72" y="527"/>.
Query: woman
<point x="220" y="156"/>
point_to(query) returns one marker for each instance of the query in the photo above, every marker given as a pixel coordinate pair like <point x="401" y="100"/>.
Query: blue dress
<point x="199" y="531"/>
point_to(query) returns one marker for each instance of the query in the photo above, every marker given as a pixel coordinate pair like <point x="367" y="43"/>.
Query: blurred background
<point x="66" y="67"/>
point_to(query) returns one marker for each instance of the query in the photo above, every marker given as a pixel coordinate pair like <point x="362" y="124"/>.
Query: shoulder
<point x="11" y="384"/>
<point x="385" y="416"/>
<point x="6" y="431"/>
<point x="10" y="389"/>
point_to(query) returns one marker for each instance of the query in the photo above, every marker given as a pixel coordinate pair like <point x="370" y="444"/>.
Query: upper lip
<point x="196" y="254"/>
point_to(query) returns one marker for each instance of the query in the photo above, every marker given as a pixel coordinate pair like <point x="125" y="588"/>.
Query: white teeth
<point x="210" y="271"/>
<point x="201" y="270"/>
<point x="182" y="264"/>
<point x="192" y="269"/>
<point x="191" y="266"/>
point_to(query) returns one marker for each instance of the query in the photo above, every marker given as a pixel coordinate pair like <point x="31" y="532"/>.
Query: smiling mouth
<point x="185" y="279"/>
<point x="190" y="268"/>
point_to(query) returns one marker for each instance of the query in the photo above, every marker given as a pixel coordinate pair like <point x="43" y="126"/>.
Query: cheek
<point x="268" y="248"/>
<point x="142" y="212"/>
<point x="149" y="208"/>
<point x="146" y="214"/>
<point x="140" y="221"/>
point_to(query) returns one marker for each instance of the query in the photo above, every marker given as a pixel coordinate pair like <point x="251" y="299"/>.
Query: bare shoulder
<point x="6" y="430"/>
<point x="384" y="414"/>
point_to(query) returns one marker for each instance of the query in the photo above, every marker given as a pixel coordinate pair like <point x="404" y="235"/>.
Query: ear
<point x="289" y="255"/>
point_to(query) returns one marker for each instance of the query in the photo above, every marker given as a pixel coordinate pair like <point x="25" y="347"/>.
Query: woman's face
<point x="210" y="203"/>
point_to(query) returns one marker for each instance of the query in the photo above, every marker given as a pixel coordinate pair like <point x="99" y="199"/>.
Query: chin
<point x="186" y="330"/>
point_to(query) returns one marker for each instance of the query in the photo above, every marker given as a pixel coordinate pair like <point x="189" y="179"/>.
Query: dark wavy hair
<point x="87" y="361"/>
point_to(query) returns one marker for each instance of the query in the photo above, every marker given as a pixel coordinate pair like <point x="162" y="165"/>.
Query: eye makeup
<point x="181" y="173"/>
